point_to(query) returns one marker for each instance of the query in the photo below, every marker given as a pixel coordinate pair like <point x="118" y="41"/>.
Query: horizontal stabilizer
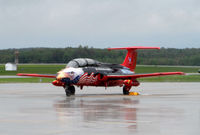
<point x="131" y="56"/>
<point x="133" y="48"/>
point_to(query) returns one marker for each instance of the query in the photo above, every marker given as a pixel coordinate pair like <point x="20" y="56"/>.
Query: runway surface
<point x="42" y="109"/>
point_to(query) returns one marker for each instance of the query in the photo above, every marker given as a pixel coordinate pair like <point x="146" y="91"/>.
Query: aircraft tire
<point x="72" y="90"/>
<point x="69" y="90"/>
<point x="68" y="93"/>
<point x="125" y="91"/>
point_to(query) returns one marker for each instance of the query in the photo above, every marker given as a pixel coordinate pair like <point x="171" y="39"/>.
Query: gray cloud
<point x="172" y="23"/>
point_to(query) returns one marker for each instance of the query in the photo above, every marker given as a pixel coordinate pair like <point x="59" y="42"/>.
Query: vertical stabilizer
<point x="130" y="59"/>
<point x="131" y="56"/>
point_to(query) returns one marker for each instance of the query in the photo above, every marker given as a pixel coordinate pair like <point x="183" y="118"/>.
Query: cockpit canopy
<point x="82" y="62"/>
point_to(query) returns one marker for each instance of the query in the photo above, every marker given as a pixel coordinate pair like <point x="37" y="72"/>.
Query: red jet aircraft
<point x="88" y="72"/>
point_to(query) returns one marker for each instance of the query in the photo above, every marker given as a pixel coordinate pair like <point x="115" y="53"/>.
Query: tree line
<point x="164" y="56"/>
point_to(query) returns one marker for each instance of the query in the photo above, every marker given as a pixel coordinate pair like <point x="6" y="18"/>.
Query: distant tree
<point x="164" y="56"/>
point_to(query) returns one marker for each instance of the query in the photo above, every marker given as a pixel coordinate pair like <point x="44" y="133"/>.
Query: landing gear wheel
<point x="72" y="90"/>
<point x="125" y="90"/>
<point x="69" y="90"/>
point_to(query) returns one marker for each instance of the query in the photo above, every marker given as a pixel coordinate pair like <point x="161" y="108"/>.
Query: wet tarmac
<point x="161" y="109"/>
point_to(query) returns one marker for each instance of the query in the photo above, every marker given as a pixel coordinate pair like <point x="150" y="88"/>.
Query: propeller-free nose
<point x="69" y="76"/>
<point x="63" y="77"/>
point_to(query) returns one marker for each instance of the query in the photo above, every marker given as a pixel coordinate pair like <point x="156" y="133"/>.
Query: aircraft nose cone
<point x="62" y="75"/>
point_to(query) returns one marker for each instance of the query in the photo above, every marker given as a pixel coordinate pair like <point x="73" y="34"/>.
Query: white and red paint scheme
<point x="87" y="72"/>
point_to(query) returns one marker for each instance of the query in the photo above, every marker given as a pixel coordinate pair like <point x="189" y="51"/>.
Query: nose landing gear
<point x="69" y="90"/>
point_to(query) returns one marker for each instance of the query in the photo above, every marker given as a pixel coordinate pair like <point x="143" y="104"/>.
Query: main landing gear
<point x="126" y="90"/>
<point x="69" y="90"/>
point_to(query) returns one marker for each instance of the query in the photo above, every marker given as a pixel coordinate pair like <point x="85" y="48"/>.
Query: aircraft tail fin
<point x="131" y="56"/>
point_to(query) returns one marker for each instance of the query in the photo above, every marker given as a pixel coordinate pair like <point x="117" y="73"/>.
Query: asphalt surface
<point x="161" y="109"/>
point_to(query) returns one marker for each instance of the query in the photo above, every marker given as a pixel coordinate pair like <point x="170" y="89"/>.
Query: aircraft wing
<point x="135" y="76"/>
<point x="38" y="75"/>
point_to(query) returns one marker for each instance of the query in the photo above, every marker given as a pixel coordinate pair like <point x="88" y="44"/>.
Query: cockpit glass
<point x="126" y="71"/>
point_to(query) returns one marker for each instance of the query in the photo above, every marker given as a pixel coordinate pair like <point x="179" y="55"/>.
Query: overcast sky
<point x="99" y="23"/>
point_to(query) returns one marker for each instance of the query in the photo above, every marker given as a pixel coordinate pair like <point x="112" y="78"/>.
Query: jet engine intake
<point x="130" y="83"/>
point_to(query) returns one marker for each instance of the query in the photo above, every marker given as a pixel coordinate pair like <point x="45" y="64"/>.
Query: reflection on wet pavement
<point x="113" y="111"/>
<point x="161" y="108"/>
